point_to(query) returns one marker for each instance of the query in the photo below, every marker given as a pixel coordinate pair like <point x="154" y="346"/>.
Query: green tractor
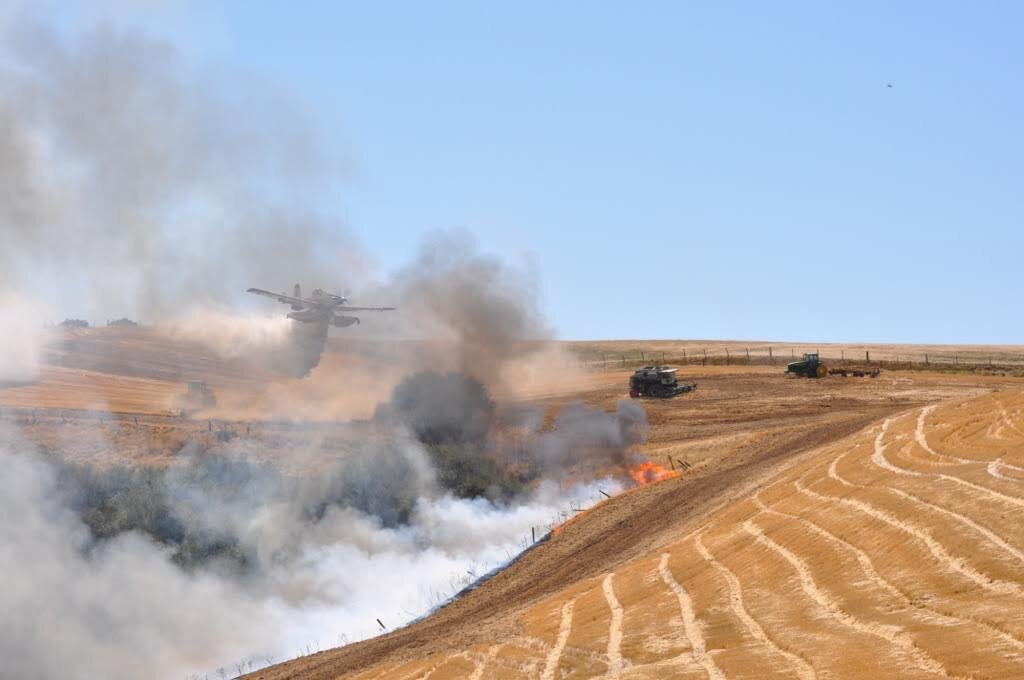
<point x="808" y="367"/>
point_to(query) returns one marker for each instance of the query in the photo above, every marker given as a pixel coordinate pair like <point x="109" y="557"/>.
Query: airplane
<point x="319" y="308"/>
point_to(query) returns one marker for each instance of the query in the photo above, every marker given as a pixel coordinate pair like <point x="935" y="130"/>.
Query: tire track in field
<point x="943" y="556"/>
<point x="691" y="625"/>
<point x="868" y="567"/>
<point x="420" y="674"/>
<point x="431" y="671"/>
<point x="481" y="663"/>
<point x="614" y="629"/>
<point x="922" y="440"/>
<point x="803" y="670"/>
<point x="895" y="635"/>
<point x="879" y="459"/>
<point x="863" y="559"/>
<point x="963" y="519"/>
<point x="1006" y="417"/>
<point x="555" y="654"/>
<point x="993" y="469"/>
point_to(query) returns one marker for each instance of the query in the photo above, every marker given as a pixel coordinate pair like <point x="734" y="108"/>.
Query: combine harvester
<point x="657" y="381"/>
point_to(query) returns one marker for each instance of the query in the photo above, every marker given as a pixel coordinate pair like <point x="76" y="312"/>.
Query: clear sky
<point x="674" y="169"/>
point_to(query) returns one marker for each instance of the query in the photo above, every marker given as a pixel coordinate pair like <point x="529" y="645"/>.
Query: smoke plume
<point x="21" y="337"/>
<point x="230" y="334"/>
<point x="482" y="312"/>
<point x="232" y="565"/>
<point x="135" y="186"/>
<point x="139" y="185"/>
<point x="131" y="185"/>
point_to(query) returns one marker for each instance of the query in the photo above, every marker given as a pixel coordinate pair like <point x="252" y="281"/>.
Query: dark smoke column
<point x="306" y="343"/>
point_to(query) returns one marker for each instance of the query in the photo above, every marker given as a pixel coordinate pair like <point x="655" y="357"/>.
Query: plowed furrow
<point x="982" y="633"/>
<point x="801" y="668"/>
<point x="893" y="634"/>
<point x="922" y="440"/>
<point x="691" y="625"/>
<point x="564" y="629"/>
<point x="941" y="555"/>
<point x="614" y="628"/>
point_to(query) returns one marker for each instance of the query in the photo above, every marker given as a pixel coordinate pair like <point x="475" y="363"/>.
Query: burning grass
<point x="648" y="472"/>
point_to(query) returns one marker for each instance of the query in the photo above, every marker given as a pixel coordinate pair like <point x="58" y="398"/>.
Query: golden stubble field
<point x="896" y="551"/>
<point x="832" y="528"/>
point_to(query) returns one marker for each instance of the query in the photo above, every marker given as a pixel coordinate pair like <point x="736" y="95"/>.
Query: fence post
<point x="705" y="362"/>
<point x="684" y="357"/>
<point x="748" y="355"/>
<point x="771" y="357"/>
<point x="926" y="358"/>
<point x="727" y="355"/>
<point x="867" y="357"/>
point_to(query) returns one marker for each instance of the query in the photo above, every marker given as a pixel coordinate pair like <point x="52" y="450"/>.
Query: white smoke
<point x="133" y="185"/>
<point x="120" y="608"/>
<point x="230" y="334"/>
<point x="21" y="336"/>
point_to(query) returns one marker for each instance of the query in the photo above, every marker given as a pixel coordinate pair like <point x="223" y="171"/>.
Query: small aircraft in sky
<point x="319" y="308"/>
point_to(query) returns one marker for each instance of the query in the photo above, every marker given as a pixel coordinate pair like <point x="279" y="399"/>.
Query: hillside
<point x="892" y="551"/>
<point x="813" y="519"/>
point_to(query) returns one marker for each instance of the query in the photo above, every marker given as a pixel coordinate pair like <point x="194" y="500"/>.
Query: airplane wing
<point x="280" y="297"/>
<point x="365" y="309"/>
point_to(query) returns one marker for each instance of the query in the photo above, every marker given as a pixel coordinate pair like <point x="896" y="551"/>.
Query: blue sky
<point x="673" y="170"/>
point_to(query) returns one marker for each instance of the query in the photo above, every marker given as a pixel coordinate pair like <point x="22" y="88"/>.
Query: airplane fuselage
<point x="319" y="308"/>
<point x="311" y="314"/>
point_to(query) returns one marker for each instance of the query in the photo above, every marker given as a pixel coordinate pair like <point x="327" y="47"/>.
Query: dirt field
<point x="815" y="519"/>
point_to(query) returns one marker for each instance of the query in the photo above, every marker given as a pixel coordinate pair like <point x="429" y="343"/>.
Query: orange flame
<point x="649" y="471"/>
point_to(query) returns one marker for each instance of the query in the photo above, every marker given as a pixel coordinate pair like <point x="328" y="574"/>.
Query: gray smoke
<point x="442" y="408"/>
<point x="119" y="609"/>
<point x="132" y="185"/>
<point x="585" y="435"/>
<point x="481" y="312"/>
<point x="21" y="338"/>
<point x="315" y="571"/>
<point x="456" y="412"/>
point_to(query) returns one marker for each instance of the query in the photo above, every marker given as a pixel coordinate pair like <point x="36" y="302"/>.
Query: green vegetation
<point x="451" y="414"/>
<point x="164" y="503"/>
<point x="467" y="473"/>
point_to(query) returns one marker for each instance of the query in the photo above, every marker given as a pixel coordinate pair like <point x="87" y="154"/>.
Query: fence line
<point x="780" y="356"/>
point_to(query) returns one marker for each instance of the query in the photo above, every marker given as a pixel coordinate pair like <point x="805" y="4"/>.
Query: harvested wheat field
<point x="838" y="527"/>
<point x="894" y="551"/>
